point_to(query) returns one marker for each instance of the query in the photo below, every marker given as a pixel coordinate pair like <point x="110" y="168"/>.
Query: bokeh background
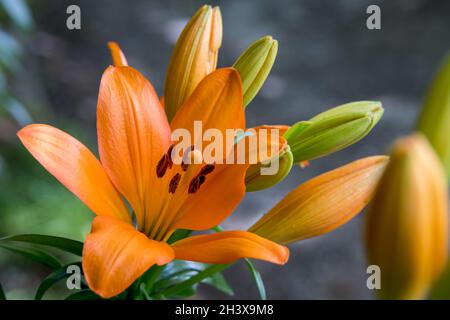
<point x="327" y="57"/>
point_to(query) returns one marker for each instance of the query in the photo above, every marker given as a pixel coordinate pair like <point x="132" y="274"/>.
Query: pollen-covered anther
<point x="207" y="169"/>
<point x="173" y="184"/>
<point x="196" y="183"/>
<point x="162" y="166"/>
<point x="164" y="163"/>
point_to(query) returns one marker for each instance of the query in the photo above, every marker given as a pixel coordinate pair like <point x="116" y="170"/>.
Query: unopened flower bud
<point x="407" y="223"/>
<point x="254" y="66"/>
<point x="194" y="57"/>
<point x="333" y="130"/>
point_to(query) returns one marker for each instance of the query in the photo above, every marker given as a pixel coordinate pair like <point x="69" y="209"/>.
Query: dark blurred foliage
<point x="327" y="57"/>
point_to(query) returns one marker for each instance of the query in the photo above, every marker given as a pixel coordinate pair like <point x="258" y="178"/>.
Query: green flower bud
<point x="333" y="130"/>
<point x="434" y="120"/>
<point x="254" y="181"/>
<point x="254" y="66"/>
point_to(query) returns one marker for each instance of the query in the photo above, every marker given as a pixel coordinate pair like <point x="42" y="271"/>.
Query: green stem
<point x="173" y="290"/>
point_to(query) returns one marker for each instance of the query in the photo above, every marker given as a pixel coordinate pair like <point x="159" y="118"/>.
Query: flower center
<point x="191" y="156"/>
<point x="186" y="179"/>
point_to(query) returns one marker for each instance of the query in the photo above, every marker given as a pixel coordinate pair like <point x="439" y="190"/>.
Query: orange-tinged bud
<point x="194" y="57"/>
<point x="407" y="223"/>
<point x="323" y="203"/>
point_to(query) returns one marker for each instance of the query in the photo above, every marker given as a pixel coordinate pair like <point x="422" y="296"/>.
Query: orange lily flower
<point x="134" y="140"/>
<point x="272" y="149"/>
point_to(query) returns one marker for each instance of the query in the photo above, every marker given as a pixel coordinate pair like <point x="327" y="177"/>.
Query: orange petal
<point x="119" y="59"/>
<point x="217" y="103"/>
<point x="133" y="134"/>
<point x="268" y="143"/>
<point x="115" y="255"/>
<point x="228" y="246"/>
<point x="75" y="167"/>
<point x="214" y="201"/>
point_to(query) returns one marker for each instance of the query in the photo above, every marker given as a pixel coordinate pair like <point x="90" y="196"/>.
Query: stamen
<point x="164" y="163"/>
<point x="207" y="169"/>
<point x="169" y="153"/>
<point x="196" y="183"/>
<point x="162" y="166"/>
<point x="173" y="184"/>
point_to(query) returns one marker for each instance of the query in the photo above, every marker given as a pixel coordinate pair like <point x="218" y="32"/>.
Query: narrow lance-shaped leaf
<point x="32" y="253"/>
<point x="257" y="278"/>
<point x="68" y="245"/>
<point x="52" y="279"/>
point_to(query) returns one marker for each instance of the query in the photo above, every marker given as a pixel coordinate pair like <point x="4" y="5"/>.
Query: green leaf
<point x="441" y="287"/>
<point x="83" y="295"/>
<point x="219" y="282"/>
<point x="52" y="279"/>
<point x="257" y="277"/>
<point x="68" y="245"/>
<point x="181" y="287"/>
<point x="19" y="13"/>
<point x="2" y="293"/>
<point x="32" y="253"/>
<point x="144" y="292"/>
<point x="178" y="235"/>
<point x="176" y="272"/>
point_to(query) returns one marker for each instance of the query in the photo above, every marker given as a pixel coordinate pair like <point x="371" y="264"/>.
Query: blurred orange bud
<point x="323" y="203"/>
<point x="407" y="223"/>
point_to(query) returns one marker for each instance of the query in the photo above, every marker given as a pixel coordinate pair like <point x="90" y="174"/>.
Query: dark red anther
<point x="169" y="153"/>
<point x="207" y="169"/>
<point x="184" y="166"/>
<point x="173" y="184"/>
<point x="164" y="163"/>
<point x="195" y="183"/>
<point x="162" y="166"/>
